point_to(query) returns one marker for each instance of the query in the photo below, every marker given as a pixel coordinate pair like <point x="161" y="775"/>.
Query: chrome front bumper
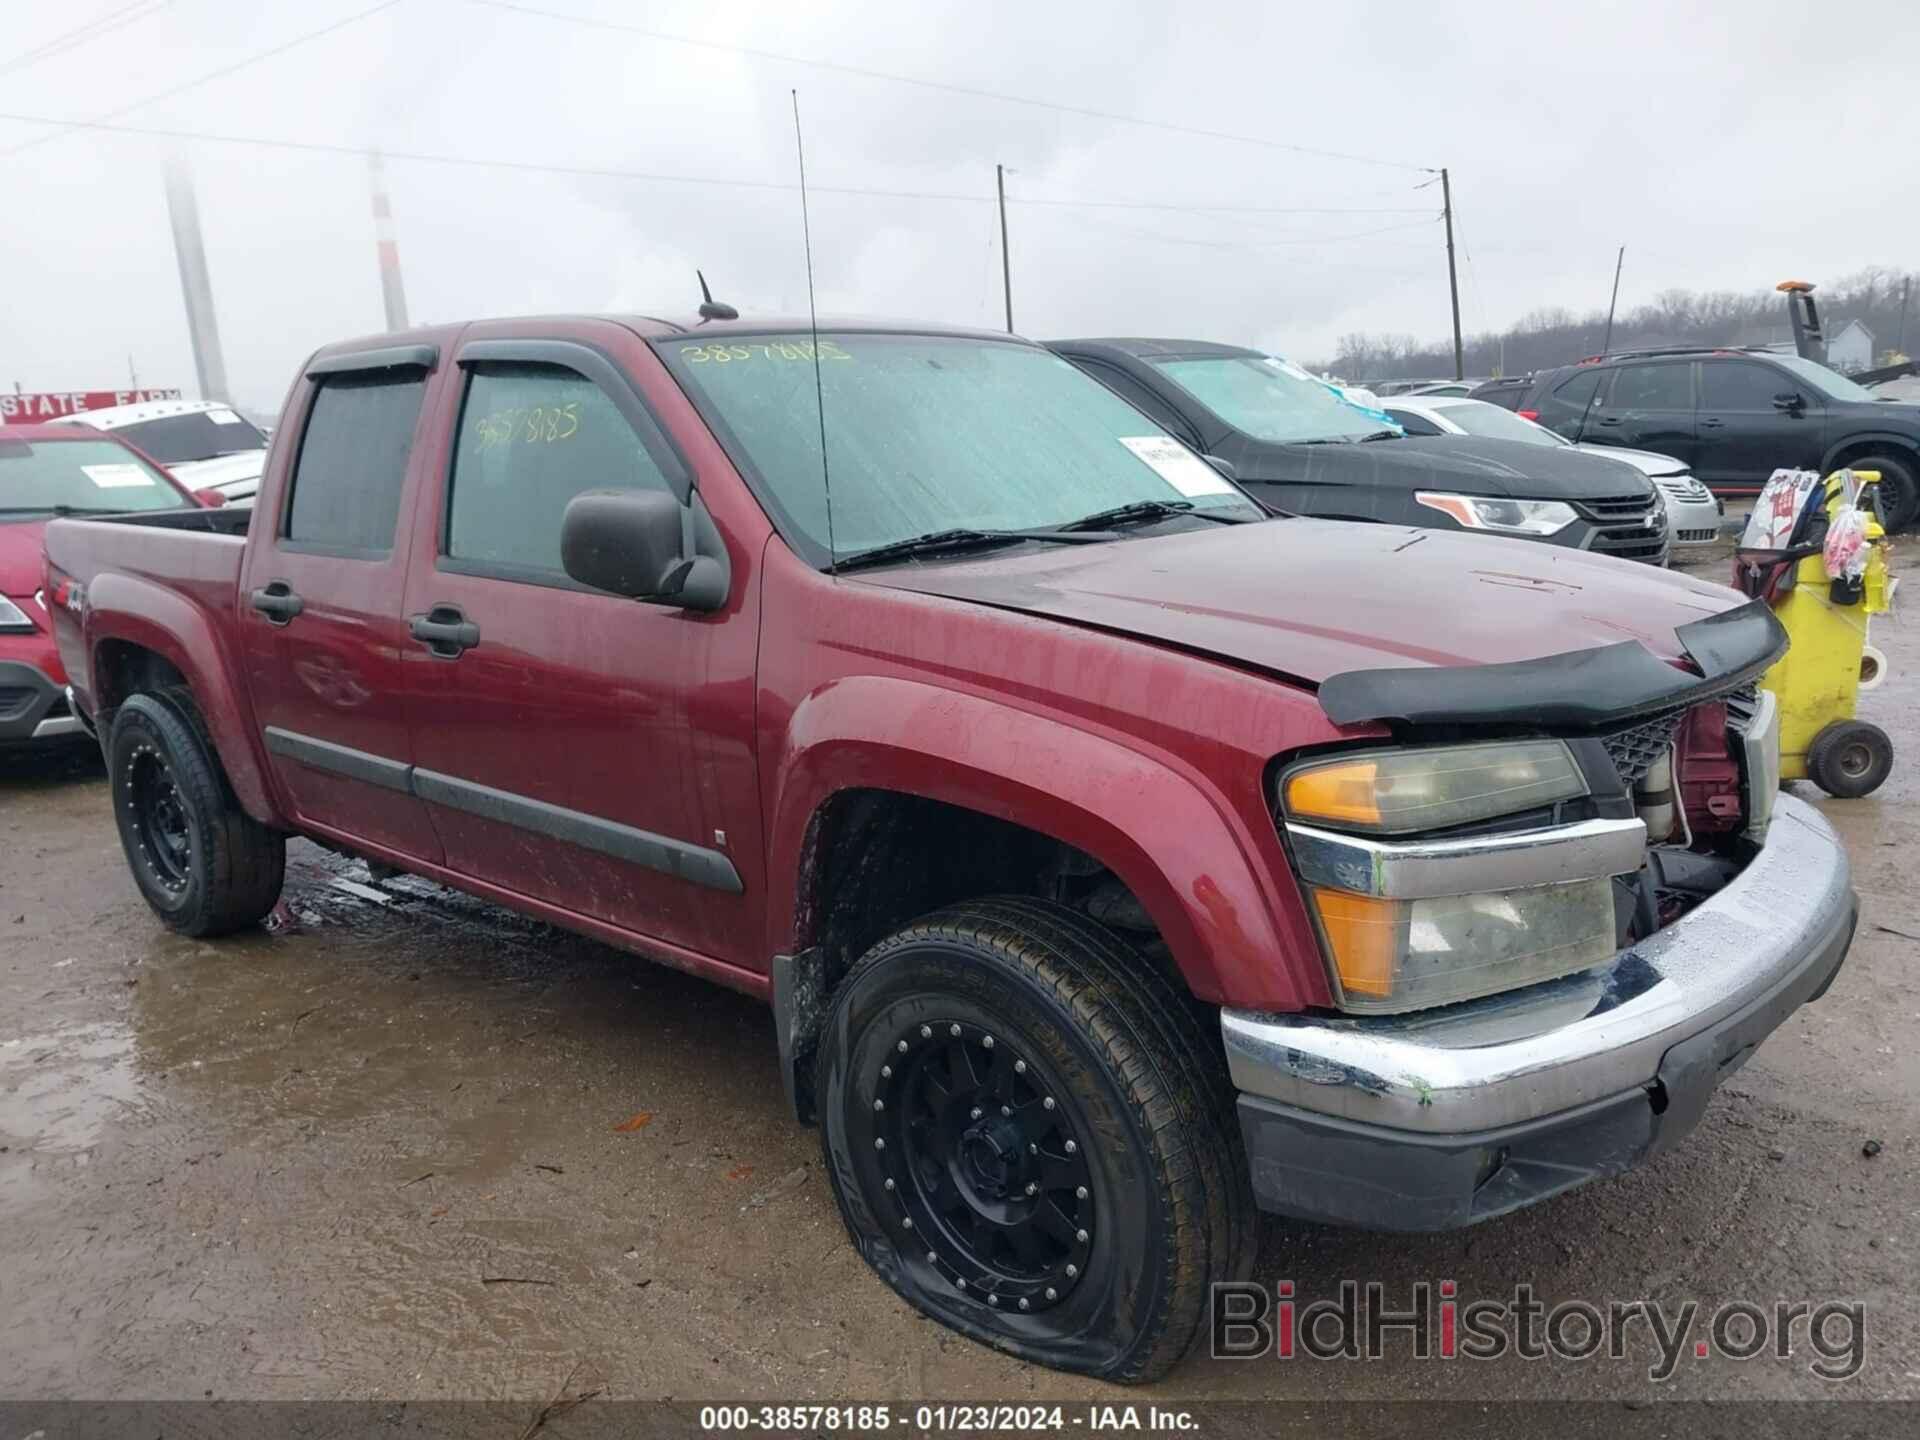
<point x="1511" y="1059"/>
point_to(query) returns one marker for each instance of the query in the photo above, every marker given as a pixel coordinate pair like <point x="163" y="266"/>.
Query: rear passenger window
<point x="353" y="462"/>
<point x="1653" y="387"/>
<point x="1413" y="424"/>
<point x="531" y="438"/>
<point x="1579" y="390"/>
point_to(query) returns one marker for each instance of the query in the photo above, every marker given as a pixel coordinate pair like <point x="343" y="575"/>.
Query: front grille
<point x="1693" y="537"/>
<point x="1634" y="749"/>
<point x="1618" y="507"/>
<point x="1629" y="526"/>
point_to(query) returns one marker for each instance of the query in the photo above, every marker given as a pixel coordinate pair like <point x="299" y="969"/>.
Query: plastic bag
<point x="1846" y="548"/>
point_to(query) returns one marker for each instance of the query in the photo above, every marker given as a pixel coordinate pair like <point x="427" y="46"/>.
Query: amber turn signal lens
<point x="1361" y="933"/>
<point x="1346" y="792"/>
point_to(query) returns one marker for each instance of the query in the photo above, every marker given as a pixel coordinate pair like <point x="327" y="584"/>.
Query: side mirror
<point x="1225" y="467"/>
<point x="210" y="499"/>
<point x="1788" y="400"/>
<point x="636" y="543"/>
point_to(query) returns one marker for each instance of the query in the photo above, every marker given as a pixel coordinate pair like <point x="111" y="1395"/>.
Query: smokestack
<point x="209" y="366"/>
<point x="390" y="291"/>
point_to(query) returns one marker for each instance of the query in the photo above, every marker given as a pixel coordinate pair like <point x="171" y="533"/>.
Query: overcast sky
<point x="1727" y="146"/>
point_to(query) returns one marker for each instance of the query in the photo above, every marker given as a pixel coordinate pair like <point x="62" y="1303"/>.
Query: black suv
<point x="1736" y="416"/>
<point x="1297" y="445"/>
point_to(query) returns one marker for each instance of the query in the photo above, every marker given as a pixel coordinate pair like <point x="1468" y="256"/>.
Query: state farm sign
<point x="36" y="407"/>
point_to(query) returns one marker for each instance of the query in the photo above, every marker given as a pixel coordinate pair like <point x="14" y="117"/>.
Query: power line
<point x="973" y="92"/>
<point x="1259" y="245"/>
<point x="69" y="126"/>
<point x="80" y="34"/>
<point x="424" y="157"/>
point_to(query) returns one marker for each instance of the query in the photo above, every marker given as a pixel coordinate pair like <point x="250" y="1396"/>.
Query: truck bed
<point x="197" y="550"/>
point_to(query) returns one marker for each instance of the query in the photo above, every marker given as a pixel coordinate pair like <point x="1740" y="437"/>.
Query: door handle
<point x="1712" y="424"/>
<point x="445" y="631"/>
<point x="277" y="602"/>
<point x="1610" y="419"/>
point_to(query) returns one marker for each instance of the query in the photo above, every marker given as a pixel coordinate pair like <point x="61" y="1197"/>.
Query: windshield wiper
<point x="59" y="510"/>
<point x="936" y="542"/>
<point x="1383" y="435"/>
<point x="1141" y="512"/>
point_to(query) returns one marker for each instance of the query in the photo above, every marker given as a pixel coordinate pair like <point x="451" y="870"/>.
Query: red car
<point x="48" y="471"/>
<point x="1115" y="857"/>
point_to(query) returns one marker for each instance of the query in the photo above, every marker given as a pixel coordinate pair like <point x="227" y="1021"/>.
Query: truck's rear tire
<point x="1850" y="758"/>
<point x="203" y="864"/>
<point x="1012" y="1043"/>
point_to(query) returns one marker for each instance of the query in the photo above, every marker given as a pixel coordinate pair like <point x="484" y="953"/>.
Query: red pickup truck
<point x="1117" y="858"/>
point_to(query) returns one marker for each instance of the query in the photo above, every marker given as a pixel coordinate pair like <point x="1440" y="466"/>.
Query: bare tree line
<point x="1885" y="299"/>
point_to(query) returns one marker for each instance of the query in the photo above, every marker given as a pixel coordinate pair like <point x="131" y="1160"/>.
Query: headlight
<point x="1394" y="792"/>
<point x="1405" y="954"/>
<point x="1407" y="923"/>
<point x="13" y="620"/>
<point x="1513" y="517"/>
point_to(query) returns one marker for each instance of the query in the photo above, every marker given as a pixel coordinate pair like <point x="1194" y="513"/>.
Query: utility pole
<point x="209" y="366"/>
<point x="1906" y="286"/>
<point x="394" y="298"/>
<point x="1453" y="277"/>
<point x="1618" y="261"/>
<point x="1006" y="260"/>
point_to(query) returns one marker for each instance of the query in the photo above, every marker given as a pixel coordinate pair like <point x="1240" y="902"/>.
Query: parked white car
<point x="1693" y="514"/>
<point x="207" y="446"/>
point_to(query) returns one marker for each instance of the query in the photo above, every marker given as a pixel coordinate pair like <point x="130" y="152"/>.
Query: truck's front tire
<point x="203" y="864"/>
<point x="1032" y="1137"/>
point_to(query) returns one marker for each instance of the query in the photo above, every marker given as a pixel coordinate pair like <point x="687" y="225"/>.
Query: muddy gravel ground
<point x="407" y="1144"/>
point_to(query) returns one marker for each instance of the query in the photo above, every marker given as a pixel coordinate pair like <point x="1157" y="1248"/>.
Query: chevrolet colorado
<point x="1115" y="859"/>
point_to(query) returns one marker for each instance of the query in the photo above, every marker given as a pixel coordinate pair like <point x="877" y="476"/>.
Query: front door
<point x="1746" y="428"/>
<point x="1650" y="407"/>
<point x="582" y="749"/>
<point x="320" y="608"/>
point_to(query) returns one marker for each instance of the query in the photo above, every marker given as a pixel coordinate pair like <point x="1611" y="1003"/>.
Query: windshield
<point x="1830" y="383"/>
<point x="1270" y="399"/>
<point x="1476" y="417"/>
<point x="928" y="433"/>
<point x="176" y="439"/>
<point x="40" y="477"/>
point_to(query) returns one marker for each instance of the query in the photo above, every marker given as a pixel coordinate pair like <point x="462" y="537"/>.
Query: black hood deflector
<point x="1583" y="689"/>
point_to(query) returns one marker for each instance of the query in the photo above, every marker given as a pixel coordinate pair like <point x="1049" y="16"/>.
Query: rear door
<point x="586" y="751"/>
<point x="1648" y="407"/>
<point x="320" y="602"/>
<point x="1744" y="435"/>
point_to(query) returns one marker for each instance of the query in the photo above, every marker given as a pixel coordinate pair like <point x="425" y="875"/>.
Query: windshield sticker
<point x="1177" y="465"/>
<point x="116" y="477"/>
<point x="223" y="417"/>
<point x="764" y="350"/>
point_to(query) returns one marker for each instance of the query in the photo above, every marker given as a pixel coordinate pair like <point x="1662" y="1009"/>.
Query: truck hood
<point x="235" y="475"/>
<point x="21" y="568"/>
<point x="1465" y="464"/>
<point x="1310" y="599"/>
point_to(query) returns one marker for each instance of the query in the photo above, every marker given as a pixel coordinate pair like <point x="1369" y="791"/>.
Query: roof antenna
<point x="813" y="329"/>
<point x="710" y="308"/>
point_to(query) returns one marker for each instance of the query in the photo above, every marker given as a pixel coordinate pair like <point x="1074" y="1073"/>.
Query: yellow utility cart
<point x="1782" y="559"/>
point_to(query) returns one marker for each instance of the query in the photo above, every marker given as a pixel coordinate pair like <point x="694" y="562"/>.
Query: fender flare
<point x="1181" y="850"/>
<point x="1908" y="447"/>
<point x="134" y="611"/>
